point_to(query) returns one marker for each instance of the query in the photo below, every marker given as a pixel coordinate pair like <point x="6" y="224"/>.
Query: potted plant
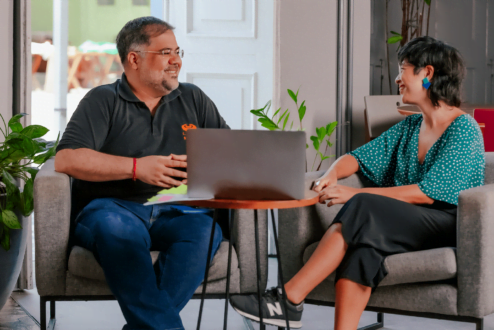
<point x="279" y="121"/>
<point x="21" y="154"/>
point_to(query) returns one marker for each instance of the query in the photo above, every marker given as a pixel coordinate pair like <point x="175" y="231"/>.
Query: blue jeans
<point x="121" y="234"/>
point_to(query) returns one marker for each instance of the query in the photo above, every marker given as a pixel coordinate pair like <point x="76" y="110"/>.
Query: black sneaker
<point x="272" y="308"/>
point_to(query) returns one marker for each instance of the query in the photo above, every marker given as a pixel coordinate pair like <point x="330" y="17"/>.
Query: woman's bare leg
<point x="351" y="299"/>
<point x="325" y="259"/>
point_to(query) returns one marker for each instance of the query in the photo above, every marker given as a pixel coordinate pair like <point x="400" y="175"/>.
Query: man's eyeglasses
<point x="166" y="52"/>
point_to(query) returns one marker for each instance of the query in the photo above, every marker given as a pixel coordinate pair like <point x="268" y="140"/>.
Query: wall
<point x="462" y="24"/>
<point x="6" y="54"/>
<point x="306" y="57"/>
<point x="87" y="19"/>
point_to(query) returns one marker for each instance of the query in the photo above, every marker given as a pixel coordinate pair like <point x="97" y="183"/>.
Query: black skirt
<point x="375" y="227"/>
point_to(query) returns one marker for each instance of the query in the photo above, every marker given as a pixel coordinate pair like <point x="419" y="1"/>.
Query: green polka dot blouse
<point x="454" y="163"/>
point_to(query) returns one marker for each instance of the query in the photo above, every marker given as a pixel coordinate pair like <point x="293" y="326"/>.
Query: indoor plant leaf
<point x="292" y="95"/>
<point x="331" y="127"/>
<point x="394" y="39"/>
<point x="329" y="143"/>
<point x="286" y="121"/>
<point x="428" y="2"/>
<point x="33" y="171"/>
<point x="10" y="219"/>
<point x="301" y="111"/>
<point x="315" y="142"/>
<point x="27" y="200"/>
<point x="283" y="115"/>
<point x="5" y="239"/>
<point x="15" y="119"/>
<point x="321" y="132"/>
<point x="276" y="113"/>
<point x="41" y="158"/>
<point x="268" y="123"/>
<point x="34" y="131"/>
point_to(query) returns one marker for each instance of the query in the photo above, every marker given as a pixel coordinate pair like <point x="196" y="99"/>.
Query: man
<point x="124" y="143"/>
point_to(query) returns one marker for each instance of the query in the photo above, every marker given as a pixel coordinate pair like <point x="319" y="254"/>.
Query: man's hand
<point x="158" y="170"/>
<point x="337" y="194"/>
<point x="329" y="180"/>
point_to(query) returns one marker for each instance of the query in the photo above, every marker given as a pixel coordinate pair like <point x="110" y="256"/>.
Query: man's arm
<point x="90" y="165"/>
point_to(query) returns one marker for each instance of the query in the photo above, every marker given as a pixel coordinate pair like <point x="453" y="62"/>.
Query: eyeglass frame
<point x="161" y="52"/>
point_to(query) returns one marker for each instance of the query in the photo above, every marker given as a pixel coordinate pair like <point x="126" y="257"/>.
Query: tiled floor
<point x="106" y="315"/>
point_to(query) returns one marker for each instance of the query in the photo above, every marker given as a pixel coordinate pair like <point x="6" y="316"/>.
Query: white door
<point x="228" y="48"/>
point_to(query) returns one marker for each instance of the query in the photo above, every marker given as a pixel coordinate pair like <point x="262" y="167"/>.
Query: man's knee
<point x="114" y="227"/>
<point x="202" y="226"/>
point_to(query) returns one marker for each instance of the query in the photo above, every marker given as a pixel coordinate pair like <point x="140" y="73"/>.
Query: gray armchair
<point x="447" y="283"/>
<point x="63" y="275"/>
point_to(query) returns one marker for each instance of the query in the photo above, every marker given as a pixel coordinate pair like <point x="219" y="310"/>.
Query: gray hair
<point x="137" y="32"/>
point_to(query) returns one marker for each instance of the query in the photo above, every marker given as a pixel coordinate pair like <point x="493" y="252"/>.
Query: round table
<point x="311" y="198"/>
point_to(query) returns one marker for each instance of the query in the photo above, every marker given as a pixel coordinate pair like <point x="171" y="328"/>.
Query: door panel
<point x="228" y="52"/>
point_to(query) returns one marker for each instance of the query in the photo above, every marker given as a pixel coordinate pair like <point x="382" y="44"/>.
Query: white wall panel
<point x="241" y="91"/>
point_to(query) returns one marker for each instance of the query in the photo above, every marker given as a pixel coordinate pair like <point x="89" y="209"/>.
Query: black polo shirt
<point x="112" y="120"/>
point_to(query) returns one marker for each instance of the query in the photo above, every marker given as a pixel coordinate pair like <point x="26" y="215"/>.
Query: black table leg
<point x="280" y="272"/>
<point x="258" y="261"/>
<point x="208" y="261"/>
<point x="231" y="223"/>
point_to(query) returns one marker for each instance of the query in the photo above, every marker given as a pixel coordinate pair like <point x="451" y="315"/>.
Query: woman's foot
<point x="272" y="306"/>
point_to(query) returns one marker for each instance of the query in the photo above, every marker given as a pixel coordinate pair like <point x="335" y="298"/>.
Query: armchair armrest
<point x="300" y="227"/>
<point x="475" y="251"/>
<point x="244" y="243"/>
<point x="52" y="226"/>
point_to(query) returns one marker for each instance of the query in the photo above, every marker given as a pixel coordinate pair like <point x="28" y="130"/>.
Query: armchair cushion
<point x="412" y="267"/>
<point x="82" y="263"/>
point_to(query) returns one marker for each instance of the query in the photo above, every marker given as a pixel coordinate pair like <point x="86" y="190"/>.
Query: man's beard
<point x="164" y="85"/>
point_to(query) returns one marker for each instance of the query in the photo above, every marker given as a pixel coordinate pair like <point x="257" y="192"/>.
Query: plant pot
<point x="11" y="261"/>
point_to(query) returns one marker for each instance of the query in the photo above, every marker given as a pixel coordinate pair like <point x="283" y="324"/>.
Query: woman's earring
<point x="426" y="83"/>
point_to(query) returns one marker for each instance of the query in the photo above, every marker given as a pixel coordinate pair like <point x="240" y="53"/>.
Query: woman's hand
<point x="337" y="194"/>
<point x="329" y="180"/>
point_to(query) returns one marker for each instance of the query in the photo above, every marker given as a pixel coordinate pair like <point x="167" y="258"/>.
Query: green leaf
<point x="257" y="112"/>
<point x="286" y="121"/>
<point x="16" y="127"/>
<point x="329" y="143"/>
<point x="395" y="39"/>
<point x="396" y="33"/>
<point x="321" y="133"/>
<point x="428" y="2"/>
<point x="5" y="239"/>
<point x="297" y="93"/>
<point x="267" y="107"/>
<point x="292" y="95"/>
<point x="33" y="171"/>
<point x="315" y="142"/>
<point x="34" y="131"/>
<point x="15" y="119"/>
<point x="291" y="126"/>
<point x="330" y="128"/>
<point x="27" y="200"/>
<point x="42" y="158"/>
<point x="306" y="146"/>
<point x="276" y="113"/>
<point x="268" y="123"/>
<point x="324" y="158"/>
<point x="28" y="147"/>
<point x="10" y="220"/>
<point x="301" y="111"/>
<point x="16" y="156"/>
<point x="283" y="115"/>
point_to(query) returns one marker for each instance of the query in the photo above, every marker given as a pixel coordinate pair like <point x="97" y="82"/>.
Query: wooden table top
<point x="311" y="198"/>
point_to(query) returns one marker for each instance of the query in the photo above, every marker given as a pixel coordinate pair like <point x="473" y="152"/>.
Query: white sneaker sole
<point x="279" y="323"/>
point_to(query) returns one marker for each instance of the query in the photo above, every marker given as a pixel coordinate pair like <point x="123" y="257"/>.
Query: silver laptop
<point x="248" y="165"/>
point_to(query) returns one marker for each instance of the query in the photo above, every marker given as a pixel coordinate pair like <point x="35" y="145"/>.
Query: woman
<point x="419" y="166"/>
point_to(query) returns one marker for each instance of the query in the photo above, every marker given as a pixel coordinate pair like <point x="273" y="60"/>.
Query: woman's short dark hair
<point x="449" y="68"/>
<point x="137" y="32"/>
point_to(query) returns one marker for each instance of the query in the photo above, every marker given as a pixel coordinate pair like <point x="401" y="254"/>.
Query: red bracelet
<point x="134" y="175"/>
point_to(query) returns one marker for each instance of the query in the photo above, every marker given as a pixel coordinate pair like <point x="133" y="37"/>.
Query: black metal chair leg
<point x="280" y="271"/>
<point x="480" y="324"/>
<point x="208" y="261"/>
<point x="375" y="326"/>
<point x="42" y="313"/>
<point x="258" y="262"/>
<point x="230" y="244"/>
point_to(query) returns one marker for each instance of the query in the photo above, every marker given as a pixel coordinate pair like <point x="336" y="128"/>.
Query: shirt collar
<point x="126" y="92"/>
